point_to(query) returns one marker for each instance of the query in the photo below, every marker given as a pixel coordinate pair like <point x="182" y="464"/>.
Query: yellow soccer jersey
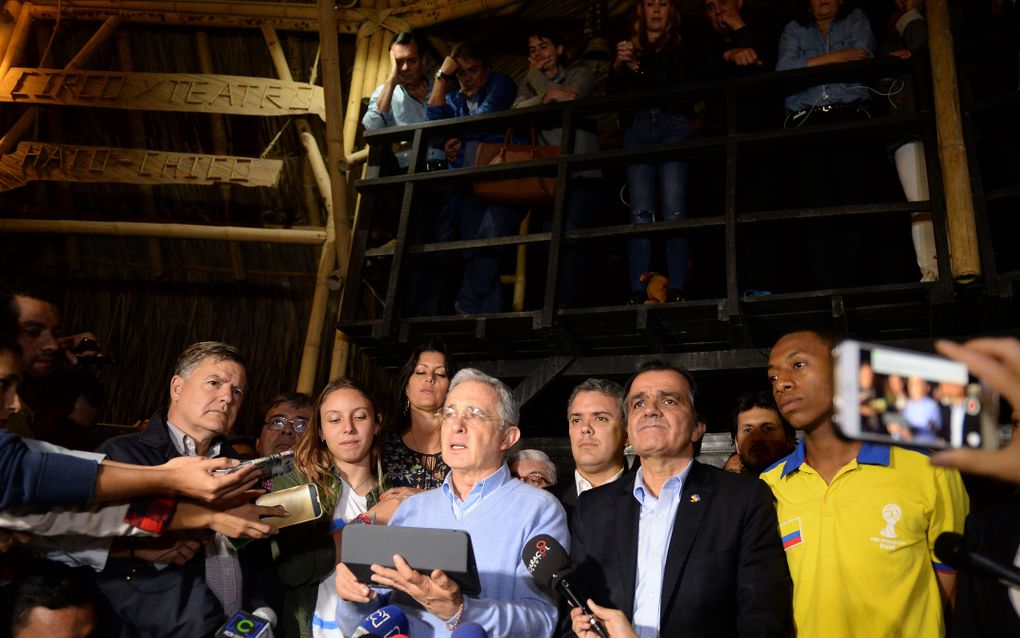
<point x="861" y="549"/>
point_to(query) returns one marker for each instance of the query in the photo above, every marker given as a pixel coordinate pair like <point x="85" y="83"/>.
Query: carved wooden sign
<point x="162" y="92"/>
<point x="64" y="163"/>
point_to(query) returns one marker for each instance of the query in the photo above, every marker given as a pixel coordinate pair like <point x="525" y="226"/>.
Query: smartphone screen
<point x="892" y="395"/>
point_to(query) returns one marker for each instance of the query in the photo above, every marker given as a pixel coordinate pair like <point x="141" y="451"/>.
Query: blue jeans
<point x="480" y="291"/>
<point x="655" y="127"/>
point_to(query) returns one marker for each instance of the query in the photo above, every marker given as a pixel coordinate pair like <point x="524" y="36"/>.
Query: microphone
<point x="385" y="622"/>
<point x="258" y="624"/>
<point x="469" y="630"/>
<point x="549" y="565"/>
<point x="950" y="547"/>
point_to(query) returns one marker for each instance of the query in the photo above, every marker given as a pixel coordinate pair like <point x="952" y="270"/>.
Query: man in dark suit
<point x="184" y="586"/>
<point x="683" y="549"/>
<point x="597" y="438"/>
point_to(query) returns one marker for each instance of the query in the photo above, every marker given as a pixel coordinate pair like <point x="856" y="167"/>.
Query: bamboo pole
<point x="312" y="153"/>
<point x="11" y="8"/>
<point x="288" y="16"/>
<point x="963" y="248"/>
<point x="354" y="97"/>
<point x="27" y="119"/>
<point x="384" y="56"/>
<point x="218" y="134"/>
<point x="337" y="247"/>
<point x="136" y="123"/>
<point x="19" y="38"/>
<point x="289" y="236"/>
<point x="375" y="46"/>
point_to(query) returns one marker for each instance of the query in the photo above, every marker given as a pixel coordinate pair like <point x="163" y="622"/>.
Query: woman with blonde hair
<point x="339" y="455"/>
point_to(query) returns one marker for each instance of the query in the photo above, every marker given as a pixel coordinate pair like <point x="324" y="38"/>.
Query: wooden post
<point x="218" y="133"/>
<point x="19" y="37"/>
<point x="354" y="97"/>
<point x="963" y="246"/>
<point x="337" y="249"/>
<point x="311" y="146"/>
<point x="136" y="124"/>
<point x="13" y="9"/>
<point x="21" y="126"/>
<point x="289" y="236"/>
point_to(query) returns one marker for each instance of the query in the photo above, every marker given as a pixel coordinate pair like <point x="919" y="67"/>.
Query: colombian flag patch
<point x="791" y="533"/>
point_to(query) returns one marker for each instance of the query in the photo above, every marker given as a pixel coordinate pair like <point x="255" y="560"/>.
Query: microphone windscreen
<point x="950" y="549"/>
<point x="469" y="630"/>
<point x="385" y="622"/>
<point x="544" y="558"/>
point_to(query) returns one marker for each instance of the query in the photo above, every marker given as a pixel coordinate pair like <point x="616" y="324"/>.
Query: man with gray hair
<point x="191" y="597"/>
<point x="683" y="548"/>
<point x="481" y="497"/>
<point x="534" y="467"/>
<point x="597" y="438"/>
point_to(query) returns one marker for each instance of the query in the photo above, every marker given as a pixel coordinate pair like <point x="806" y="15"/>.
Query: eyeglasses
<point x="279" y="422"/>
<point x="535" y="479"/>
<point x="471" y="414"/>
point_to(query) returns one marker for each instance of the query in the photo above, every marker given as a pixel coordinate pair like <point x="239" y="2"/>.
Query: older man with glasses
<point x="284" y="422"/>
<point x="534" y="467"/>
<point x="481" y="497"/>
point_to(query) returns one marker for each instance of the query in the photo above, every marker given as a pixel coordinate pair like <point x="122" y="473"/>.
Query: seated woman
<point x="411" y="456"/>
<point x="336" y="454"/>
<point x="653" y="58"/>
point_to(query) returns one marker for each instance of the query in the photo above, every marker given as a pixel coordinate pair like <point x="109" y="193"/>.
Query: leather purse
<point x="516" y="190"/>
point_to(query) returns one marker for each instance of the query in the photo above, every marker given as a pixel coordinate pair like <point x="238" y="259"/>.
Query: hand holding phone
<point x="890" y="395"/>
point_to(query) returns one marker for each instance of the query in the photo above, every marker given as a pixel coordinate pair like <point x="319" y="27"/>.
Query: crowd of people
<point x="661" y="50"/>
<point x="145" y="537"/>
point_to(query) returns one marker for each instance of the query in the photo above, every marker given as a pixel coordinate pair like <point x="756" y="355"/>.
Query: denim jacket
<point x="799" y="43"/>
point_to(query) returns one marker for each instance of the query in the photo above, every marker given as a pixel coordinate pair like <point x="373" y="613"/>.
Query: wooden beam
<point x="355" y="94"/>
<point x="285" y="16"/>
<point x="32" y="161"/>
<point x="963" y="246"/>
<point x="191" y="92"/>
<point x="303" y="236"/>
<point x="15" y="47"/>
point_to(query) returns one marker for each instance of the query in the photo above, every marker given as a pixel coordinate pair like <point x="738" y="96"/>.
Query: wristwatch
<point x="444" y="76"/>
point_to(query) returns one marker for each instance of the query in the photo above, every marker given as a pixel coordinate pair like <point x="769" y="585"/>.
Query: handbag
<point x="516" y="190"/>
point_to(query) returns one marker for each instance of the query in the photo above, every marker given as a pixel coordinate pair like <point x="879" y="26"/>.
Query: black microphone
<point x="550" y="566"/>
<point x="950" y="547"/>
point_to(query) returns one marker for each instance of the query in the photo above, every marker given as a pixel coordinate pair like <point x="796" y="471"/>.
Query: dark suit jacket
<point x="566" y="492"/>
<point x="141" y="601"/>
<point x="725" y="574"/>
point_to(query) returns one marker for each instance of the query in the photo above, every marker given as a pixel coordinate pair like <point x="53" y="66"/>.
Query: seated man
<point x="480" y="497"/>
<point x="534" y="467"/>
<point x="481" y="91"/>
<point x="682" y="549"/>
<point x="760" y="435"/>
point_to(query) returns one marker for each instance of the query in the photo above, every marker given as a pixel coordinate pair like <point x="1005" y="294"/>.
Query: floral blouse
<point x="404" y="467"/>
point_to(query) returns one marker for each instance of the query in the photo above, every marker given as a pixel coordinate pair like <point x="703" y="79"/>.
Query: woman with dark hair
<point x="411" y="451"/>
<point x="339" y="455"/>
<point x="653" y="58"/>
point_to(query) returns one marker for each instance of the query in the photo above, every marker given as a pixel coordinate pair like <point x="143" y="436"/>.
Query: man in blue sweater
<point x="481" y="497"/>
<point x="481" y="91"/>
